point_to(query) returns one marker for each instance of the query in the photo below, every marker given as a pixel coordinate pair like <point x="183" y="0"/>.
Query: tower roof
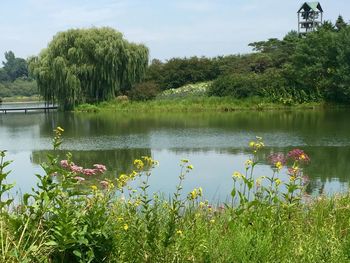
<point x="311" y="6"/>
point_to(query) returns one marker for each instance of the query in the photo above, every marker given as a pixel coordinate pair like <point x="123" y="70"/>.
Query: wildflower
<point x="259" y="180"/>
<point x="94" y="187"/>
<point x="248" y="163"/>
<point x="100" y="168"/>
<point x="133" y="174"/>
<point x="184" y="160"/>
<point x="139" y="164"/>
<point x="64" y="163"/>
<point x="237" y="175"/>
<point x="190" y="167"/>
<point x="60" y="129"/>
<point x="279" y="165"/>
<point x="278" y="181"/>
<point x="274" y="158"/>
<point x="200" y="191"/>
<point x="179" y="232"/>
<point x="251" y="144"/>
<point x="298" y="155"/>
<point x="77" y="169"/>
<point x="88" y="172"/>
<point x="294" y="171"/>
<point x="120" y="219"/>
<point x="126" y="227"/>
<point x="212" y="221"/>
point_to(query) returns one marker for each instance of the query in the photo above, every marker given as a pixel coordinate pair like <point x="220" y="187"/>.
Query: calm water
<point x="215" y="143"/>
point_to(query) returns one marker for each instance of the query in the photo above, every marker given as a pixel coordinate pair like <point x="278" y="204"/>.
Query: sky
<point x="172" y="28"/>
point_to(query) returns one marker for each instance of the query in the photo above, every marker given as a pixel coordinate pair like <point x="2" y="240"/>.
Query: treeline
<point x="295" y="69"/>
<point x="14" y="77"/>
<point x="98" y="64"/>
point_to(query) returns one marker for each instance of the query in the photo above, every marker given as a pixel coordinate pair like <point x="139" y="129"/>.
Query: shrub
<point x="144" y="91"/>
<point x="235" y="85"/>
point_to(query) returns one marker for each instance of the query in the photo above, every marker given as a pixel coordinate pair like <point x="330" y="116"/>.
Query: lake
<point x="215" y="143"/>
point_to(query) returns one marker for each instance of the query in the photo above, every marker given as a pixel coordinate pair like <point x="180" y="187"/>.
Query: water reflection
<point x="214" y="142"/>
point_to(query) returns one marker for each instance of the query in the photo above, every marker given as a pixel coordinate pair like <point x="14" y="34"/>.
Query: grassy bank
<point x="193" y="104"/>
<point x="77" y="215"/>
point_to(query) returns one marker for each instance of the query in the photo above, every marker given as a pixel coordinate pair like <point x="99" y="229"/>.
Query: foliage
<point x="13" y="68"/>
<point x="19" y="87"/>
<point x="88" y="65"/>
<point x="177" y="72"/>
<point x="235" y="85"/>
<point x="144" y="91"/>
<point x="68" y="218"/>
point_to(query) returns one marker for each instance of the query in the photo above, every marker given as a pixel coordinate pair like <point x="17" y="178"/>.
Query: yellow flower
<point x="212" y="221"/>
<point x="94" y="187"/>
<point x="279" y="165"/>
<point x="60" y="129"/>
<point x="184" y="160"/>
<point x="248" y="163"/>
<point x="126" y="227"/>
<point x="278" y="181"/>
<point x="179" y="232"/>
<point x="200" y="191"/>
<point x="190" y="167"/>
<point x="120" y="219"/>
<point x="251" y="144"/>
<point x="139" y="164"/>
<point x="302" y="157"/>
<point x="259" y="180"/>
<point x="237" y="175"/>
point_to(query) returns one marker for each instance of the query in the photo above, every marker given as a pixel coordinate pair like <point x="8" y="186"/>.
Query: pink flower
<point x="100" y="168"/>
<point x="298" y="155"/>
<point x="76" y="169"/>
<point x="79" y="179"/>
<point x="89" y="172"/>
<point x="64" y="163"/>
<point x="276" y="157"/>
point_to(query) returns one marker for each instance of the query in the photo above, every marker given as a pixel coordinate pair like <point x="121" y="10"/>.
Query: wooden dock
<point x="26" y="109"/>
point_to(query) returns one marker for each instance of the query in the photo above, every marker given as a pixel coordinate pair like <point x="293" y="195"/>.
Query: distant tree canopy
<point x="13" y="68"/>
<point x="88" y="65"/>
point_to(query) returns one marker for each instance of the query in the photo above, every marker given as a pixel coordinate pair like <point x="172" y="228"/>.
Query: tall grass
<point x="70" y="219"/>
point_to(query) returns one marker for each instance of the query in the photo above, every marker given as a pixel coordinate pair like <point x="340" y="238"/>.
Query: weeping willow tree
<point x="87" y="65"/>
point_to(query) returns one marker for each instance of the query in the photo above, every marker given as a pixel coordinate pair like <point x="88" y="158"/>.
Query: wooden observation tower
<point x="310" y="16"/>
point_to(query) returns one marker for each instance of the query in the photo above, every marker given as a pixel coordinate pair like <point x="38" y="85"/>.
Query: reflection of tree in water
<point x="117" y="161"/>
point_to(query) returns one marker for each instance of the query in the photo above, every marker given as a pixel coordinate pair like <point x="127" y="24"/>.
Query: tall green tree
<point x="88" y="65"/>
<point x="13" y="67"/>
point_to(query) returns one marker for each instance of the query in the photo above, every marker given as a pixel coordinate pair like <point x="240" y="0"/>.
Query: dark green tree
<point x="340" y="23"/>
<point x="13" y="67"/>
<point x="88" y="65"/>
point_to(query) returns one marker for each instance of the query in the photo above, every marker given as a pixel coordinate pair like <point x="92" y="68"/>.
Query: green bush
<point x="144" y="91"/>
<point x="235" y="85"/>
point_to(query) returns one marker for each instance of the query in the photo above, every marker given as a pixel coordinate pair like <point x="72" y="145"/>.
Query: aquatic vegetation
<point x="119" y="220"/>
